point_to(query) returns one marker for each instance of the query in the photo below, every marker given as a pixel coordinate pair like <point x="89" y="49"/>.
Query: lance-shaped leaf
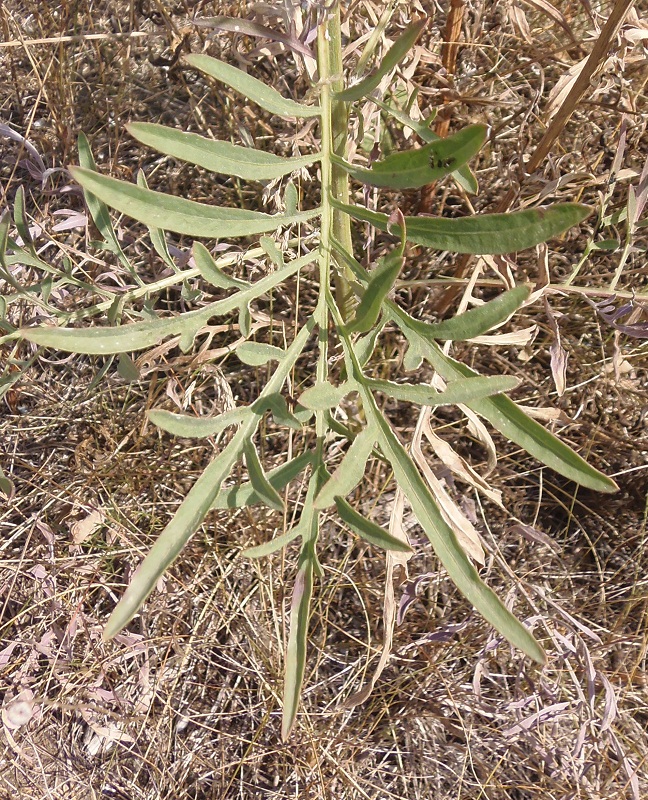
<point x="368" y="530"/>
<point x="158" y="238"/>
<point x="500" y="411"/>
<point x="350" y="471"/>
<point x="390" y="61"/>
<point x="216" y="155"/>
<point x="260" y="483"/>
<point x="442" y="537"/>
<point x="249" y="28"/>
<point x="256" y="354"/>
<point x="506" y="416"/>
<point x="417" y="167"/>
<point x="279" y="542"/>
<point x="177" y="214"/>
<point x="457" y="391"/>
<point x="173" y="538"/>
<point x="197" y="503"/>
<point x="140" y="335"/>
<point x="97" y="208"/>
<point x="463" y="175"/>
<point x="211" y="272"/>
<point x="300" y="606"/>
<point x="261" y="94"/>
<point x="297" y="638"/>
<point x="189" y="426"/>
<point x="276" y="404"/>
<point x="324" y="395"/>
<point x="381" y="281"/>
<point x="475" y="322"/>
<point x="482" y="233"/>
<point x="245" y="495"/>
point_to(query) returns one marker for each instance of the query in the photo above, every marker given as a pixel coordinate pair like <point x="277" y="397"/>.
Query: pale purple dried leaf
<point x="9" y="133"/>
<point x="610" y="709"/>
<point x="249" y="28"/>
<point x="607" y="311"/>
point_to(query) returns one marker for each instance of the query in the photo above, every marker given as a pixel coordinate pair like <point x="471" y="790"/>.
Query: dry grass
<point x="186" y="704"/>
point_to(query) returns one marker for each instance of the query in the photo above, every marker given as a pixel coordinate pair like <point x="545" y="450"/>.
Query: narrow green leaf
<point x="270" y="248"/>
<point x="261" y="94"/>
<point x="390" y="61"/>
<point x="365" y="346"/>
<point x="291" y="198"/>
<point x="20" y="217"/>
<point x="507" y="417"/>
<point x="244" y="495"/>
<point x="457" y="391"/>
<point x="278" y="543"/>
<point x="482" y="233"/>
<point x="278" y="407"/>
<point x="381" y="282"/>
<point x="350" y="471"/>
<point x="6" y="485"/>
<point x="443" y="539"/>
<point x="97" y="208"/>
<point x="463" y="176"/>
<point x="215" y="155"/>
<point x="245" y="320"/>
<point x="140" y="335"/>
<point x="198" y="501"/>
<point x="189" y="426"/>
<point x="211" y="272"/>
<point x="261" y="485"/>
<point x="475" y="322"/>
<point x="256" y="354"/>
<point x="297" y="639"/>
<point x="158" y="238"/>
<point x="177" y="533"/>
<point x="368" y="530"/>
<point x="127" y="368"/>
<point x="177" y="214"/>
<point x="324" y="395"/>
<point x="412" y="169"/>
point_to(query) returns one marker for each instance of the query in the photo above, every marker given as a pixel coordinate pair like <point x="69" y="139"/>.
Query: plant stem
<point x="334" y="140"/>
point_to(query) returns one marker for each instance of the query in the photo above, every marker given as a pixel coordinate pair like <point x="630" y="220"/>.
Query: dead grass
<point x="186" y="704"/>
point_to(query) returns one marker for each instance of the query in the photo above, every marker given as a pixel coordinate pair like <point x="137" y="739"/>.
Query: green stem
<point x="335" y="181"/>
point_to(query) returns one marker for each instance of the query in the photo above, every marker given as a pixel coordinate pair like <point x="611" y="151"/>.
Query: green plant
<point x="353" y="307"/>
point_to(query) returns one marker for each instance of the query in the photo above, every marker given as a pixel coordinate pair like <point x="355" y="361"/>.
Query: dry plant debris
<point x="186" y="707"/>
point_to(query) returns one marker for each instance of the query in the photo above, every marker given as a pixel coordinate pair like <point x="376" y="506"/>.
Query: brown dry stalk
<point x="449" y="51"/>
<point x="581" y="84"/>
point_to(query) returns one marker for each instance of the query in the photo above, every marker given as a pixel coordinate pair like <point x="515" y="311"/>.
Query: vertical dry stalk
<point x="449" y="51"/>
<point x="596" y="58"/>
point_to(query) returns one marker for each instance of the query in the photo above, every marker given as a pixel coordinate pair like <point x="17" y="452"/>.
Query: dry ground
<point x="186" y="704"/>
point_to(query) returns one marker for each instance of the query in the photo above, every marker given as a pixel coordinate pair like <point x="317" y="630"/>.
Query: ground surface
<point x="186" y="704"/>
